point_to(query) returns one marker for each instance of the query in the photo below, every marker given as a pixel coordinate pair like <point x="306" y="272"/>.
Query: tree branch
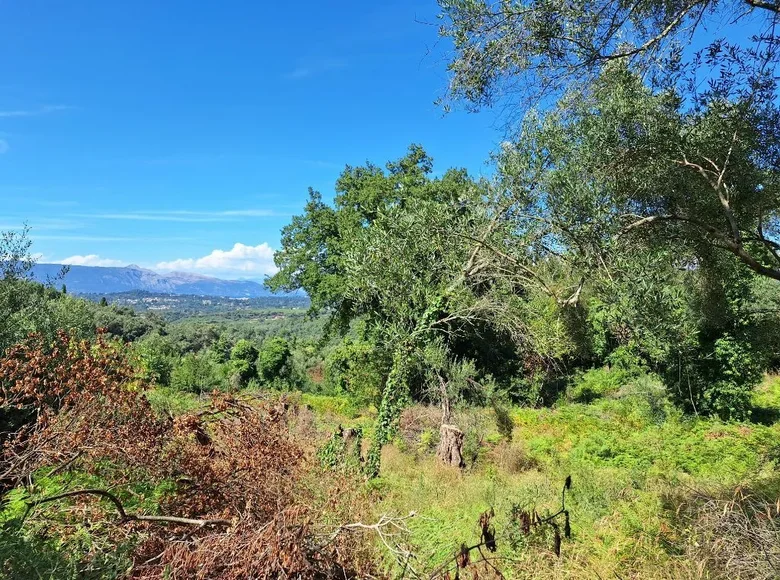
<point x="124" y="516"/>
<point x="735" y="247"/>
<point x="771" y="6"/>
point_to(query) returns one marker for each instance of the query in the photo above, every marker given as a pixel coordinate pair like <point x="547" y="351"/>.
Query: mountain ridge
<point x="115" y="279"/>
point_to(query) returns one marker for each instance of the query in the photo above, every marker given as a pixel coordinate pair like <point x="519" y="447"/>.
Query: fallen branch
<point x="385" y="529"/>
<point x="123" y="515"/>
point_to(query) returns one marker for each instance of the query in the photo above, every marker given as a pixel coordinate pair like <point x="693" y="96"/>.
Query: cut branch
<point x="123" y="515"/>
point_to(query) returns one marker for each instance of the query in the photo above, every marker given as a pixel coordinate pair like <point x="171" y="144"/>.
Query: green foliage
<point x="504" y="422"/>
<point x="394" y="398"/>
<point x="168" y="402"/>
<point x="358" y="368"/>
<point x="597" y="383"/>
<point x="196" y="373"/>
<point x="406" y="254"/>
<point x="659" y="189"/>
<point x="337" y="405"/>
<point x="30" y="550"/>
<point x="243" y="357"/>
<point x="274" y="362"/>
<point x="341" y="453"/>
<point x="158" y="358"/>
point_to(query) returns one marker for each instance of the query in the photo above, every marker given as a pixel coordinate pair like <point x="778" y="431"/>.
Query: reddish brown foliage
<point x="237" y="460"/>
<point x="241" y="462"/>
<point x="71" y="397"/>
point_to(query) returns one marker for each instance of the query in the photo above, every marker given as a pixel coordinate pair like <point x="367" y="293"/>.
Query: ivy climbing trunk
<point x="394" y="398"/>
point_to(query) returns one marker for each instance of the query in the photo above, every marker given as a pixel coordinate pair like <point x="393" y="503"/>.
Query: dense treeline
<point x="632" y="220"/>
<point x="452" y="282"/>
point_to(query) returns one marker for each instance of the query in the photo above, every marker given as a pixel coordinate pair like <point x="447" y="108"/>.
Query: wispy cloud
<point x="44" y="110"/>
<point x="42" y="224"/>
<point x="314" y="67"/>
<point x="181" y="215"/>
<point x="240" y="261"/>
<point x="90" y="260"/>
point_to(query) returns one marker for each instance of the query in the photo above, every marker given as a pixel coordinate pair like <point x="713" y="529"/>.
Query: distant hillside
<point x="98" y="280"/>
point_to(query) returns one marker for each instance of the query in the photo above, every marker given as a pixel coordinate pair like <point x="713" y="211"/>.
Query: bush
<point x="650" y="390"/>
<point x="597" y="383"/>
<point x="717" y="380"/>
<point x="504" y="422"/>
<point x="243" y="357"/>
<point x="512" y="458"/>
<point x="196" y="373"/>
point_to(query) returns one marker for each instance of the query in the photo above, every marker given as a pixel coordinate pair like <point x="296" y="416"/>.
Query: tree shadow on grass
<point x="765" y="415"/>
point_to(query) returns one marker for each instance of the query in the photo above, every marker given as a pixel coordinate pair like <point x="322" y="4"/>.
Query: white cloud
<point x="91" y="260"/>
<point x="240" y="261"/>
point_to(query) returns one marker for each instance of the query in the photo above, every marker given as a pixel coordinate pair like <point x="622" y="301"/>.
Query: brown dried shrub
<point x="73" y="397"/>
<point x="512" y="457"/>
<point x="730" y="533"/>
<point x="241" y="461"/>
<point x="237" y="460"/>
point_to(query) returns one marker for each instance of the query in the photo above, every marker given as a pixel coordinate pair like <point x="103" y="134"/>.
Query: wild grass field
<point x="654" y="493"/>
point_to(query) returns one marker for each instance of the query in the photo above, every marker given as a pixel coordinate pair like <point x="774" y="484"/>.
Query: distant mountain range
<point x="101" y="280"/>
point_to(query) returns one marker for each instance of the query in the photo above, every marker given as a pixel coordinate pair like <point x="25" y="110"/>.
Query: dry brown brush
<point x="241" y="502"/>
<point x="731" y="533"/>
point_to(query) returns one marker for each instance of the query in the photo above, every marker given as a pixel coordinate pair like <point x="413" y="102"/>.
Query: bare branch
<point x="124" y="516"/>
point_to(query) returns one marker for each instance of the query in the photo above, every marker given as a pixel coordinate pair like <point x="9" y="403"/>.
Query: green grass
<point x="631" y="455"/>
<point x="766" y="400"/>
<point x="626" y="461"/>
<point x="174" y="402"/>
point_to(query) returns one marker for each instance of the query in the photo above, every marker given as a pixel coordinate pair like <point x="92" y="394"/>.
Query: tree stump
<point x="450" y="449"/>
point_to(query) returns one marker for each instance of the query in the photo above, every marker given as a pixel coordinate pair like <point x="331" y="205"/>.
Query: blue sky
<point x="165" y="133"/>
<point x="184" y="135"/>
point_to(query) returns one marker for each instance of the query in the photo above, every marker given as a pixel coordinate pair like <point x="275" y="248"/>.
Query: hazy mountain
<point x="101" y="280"/>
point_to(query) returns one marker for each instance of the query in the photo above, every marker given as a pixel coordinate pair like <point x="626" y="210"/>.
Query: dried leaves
<point x="81" y="405"/>
<point x="73" y="397"/>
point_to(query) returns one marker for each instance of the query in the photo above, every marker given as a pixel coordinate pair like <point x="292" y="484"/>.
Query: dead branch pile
<point x="239" y="507"/>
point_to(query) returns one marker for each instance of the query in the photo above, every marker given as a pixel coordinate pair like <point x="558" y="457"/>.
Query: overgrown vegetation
<point x="602" y="315"/>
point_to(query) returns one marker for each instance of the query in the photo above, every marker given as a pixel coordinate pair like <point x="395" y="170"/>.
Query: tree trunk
<point x="451" y="446"/>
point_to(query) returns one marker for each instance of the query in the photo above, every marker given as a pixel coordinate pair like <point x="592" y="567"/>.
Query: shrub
<point x="243" y="357"/>
<point x="512" y="458"/>
<point x="73" y="397"/>
<point x="717" y="380"/>
<point x="596" y="383"/>
<point x="195" y="373"/>
<point x="504" y="422"/>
